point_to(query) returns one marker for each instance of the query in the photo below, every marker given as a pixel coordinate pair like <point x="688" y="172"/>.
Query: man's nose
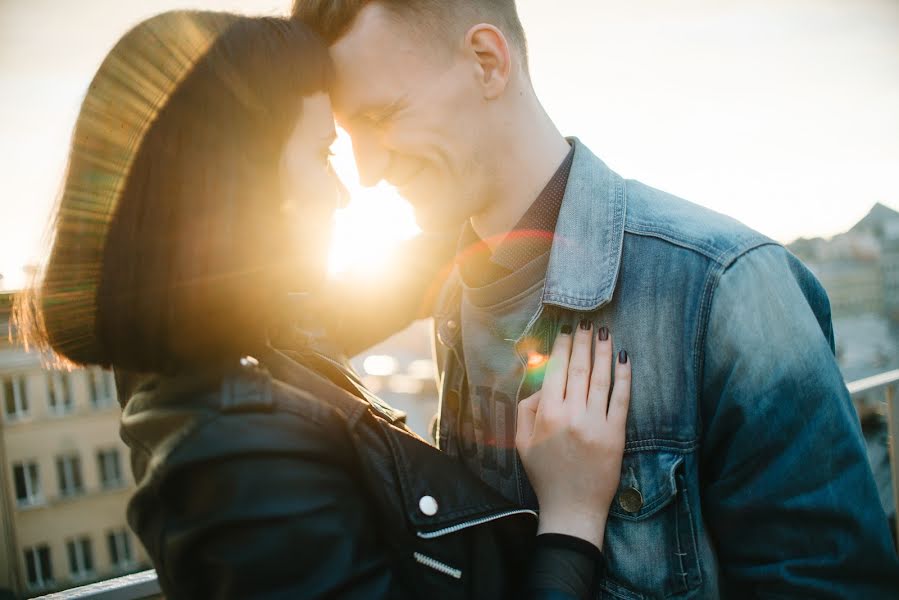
<point x="372" y="159"/>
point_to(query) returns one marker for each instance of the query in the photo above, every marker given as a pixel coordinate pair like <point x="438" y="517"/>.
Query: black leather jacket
<point x="284" y="478"/>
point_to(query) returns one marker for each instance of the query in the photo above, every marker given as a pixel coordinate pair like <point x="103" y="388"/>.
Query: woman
<point x="197" y="192"/>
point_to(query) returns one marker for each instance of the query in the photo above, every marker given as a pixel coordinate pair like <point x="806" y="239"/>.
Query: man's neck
<point x="531" y="154"/>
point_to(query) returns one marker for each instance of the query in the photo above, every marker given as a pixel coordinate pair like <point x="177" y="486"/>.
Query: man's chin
<point x="430" y="221"/>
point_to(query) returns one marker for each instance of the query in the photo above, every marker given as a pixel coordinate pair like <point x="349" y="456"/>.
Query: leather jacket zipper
<point x="429" y="535"/>
<point x="435" y="564"/>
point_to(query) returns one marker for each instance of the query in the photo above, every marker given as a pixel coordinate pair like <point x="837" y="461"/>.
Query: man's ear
<point x="493" y="60"/>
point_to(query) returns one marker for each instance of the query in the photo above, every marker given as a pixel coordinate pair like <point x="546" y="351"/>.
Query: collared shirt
<point x="528" y="239"/>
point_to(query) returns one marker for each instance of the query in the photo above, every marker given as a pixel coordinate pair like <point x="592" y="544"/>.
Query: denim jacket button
<point x="631" y="500"/>
<point x="428" y="506"/>
<point x="446" y="334"/>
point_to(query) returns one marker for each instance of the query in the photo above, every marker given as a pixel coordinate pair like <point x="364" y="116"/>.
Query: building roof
<point x="879" y="220"/>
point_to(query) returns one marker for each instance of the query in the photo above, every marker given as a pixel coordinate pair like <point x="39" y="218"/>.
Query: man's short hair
<point x="333" y="18"/>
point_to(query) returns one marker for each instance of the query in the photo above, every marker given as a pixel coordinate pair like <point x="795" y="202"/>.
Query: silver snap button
<point x="428" y="506"/>
<point x="451" y="324"/>
<point x="249" y="361"/>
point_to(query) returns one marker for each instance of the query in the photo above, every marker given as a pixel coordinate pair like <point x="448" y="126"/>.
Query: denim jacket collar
<point x="586" y="252"/>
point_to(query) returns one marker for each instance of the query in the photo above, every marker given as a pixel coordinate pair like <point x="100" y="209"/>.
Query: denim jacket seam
<point x="713" y="278"/>
<point x="722" y="256"/>
<point x="570" y="302"/>
<point x="673" y="446"/>
<point x="646" y="230"/>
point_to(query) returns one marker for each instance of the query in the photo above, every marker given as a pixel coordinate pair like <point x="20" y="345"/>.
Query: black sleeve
<point x="252" y="506"/>
<point x="564" y="568"/>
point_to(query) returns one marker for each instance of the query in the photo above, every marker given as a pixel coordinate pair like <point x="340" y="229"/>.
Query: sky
<point x="781" y="113"/>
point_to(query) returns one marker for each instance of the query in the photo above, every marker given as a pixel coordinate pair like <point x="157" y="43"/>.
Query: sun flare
<point x="374" y="221"/>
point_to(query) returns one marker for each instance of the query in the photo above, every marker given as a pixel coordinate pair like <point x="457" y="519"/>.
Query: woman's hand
<point x="571" y="434"/>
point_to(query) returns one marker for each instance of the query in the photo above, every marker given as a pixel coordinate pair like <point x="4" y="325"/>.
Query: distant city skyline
<point x="782" y="115"/>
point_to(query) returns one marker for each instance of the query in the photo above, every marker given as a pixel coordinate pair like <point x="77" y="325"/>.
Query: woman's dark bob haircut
<point x="168" y="245"/>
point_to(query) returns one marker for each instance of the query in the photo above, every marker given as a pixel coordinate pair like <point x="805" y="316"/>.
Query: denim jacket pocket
<point x="650" y="542"/>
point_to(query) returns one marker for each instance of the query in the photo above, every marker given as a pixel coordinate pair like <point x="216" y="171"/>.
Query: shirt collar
<point x="530" y="238"/>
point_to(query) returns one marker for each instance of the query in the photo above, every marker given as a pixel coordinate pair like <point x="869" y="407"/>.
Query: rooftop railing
<point x="878" y="393"/>
<point x="137" y="586"/>
<point x="144" y="585"/>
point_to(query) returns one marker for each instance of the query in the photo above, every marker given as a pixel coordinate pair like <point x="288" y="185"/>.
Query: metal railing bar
<point x="873" y="383"/>
<point x="129" y="587"/>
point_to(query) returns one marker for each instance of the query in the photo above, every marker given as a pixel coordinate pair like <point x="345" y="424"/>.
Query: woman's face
<point x="311" y="190"/>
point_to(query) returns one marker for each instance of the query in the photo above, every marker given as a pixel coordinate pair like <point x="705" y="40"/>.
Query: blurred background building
<point x="64" y="475"/>
<point x="860" y="271"/>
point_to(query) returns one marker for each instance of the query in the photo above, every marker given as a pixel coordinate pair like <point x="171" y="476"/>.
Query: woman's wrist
<point x="589" y="526"/>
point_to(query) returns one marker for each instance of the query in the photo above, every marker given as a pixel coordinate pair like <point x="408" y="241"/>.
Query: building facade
<point x="64" y="475"/>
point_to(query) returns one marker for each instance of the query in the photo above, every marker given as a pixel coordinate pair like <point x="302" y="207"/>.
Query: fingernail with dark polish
<point x="566" y="329"/>
<point x="603" y="333"/>
<point x="622" y="357"/>
<point x="585" y="324"/>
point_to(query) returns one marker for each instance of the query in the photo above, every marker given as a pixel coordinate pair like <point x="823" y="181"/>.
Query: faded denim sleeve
<point x="787" y="489"/>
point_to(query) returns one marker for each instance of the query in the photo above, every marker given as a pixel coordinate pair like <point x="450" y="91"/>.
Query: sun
<point x="12" y="276"/>
<point x="374" y="221"/>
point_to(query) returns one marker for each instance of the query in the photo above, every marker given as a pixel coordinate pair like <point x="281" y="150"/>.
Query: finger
<point x="527" y="414"/>
<point x="601" y="377"/>
<point x="578" y="380"/>
<point x="621" y="393"/>
<point x="556" y="371"/>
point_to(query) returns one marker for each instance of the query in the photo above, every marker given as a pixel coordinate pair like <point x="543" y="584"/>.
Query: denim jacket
<point x="745" y="473"/>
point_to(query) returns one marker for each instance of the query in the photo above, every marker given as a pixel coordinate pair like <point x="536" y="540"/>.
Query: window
<point x="60" y="394"/>
<point x="14" y="399"/>
<point x="28" y="486"/>
<point x="38" y="566"/>
<point x="102" y="388"/>
<point x="109" y="468"/>
<point x="120" y="548"/>
<point x="68" y="468"/>
<point x="81" y="558"/>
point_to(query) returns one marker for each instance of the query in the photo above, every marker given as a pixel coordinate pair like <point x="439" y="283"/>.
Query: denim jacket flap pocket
<point x="653" y="512"/>
<point x="648" y="484"/>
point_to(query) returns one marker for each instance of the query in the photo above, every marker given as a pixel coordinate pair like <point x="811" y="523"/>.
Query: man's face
<point x="413" y="110"/>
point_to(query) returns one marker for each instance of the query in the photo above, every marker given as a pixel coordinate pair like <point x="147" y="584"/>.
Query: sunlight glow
<point x="380" y="365"/>
<point x="12" y="277"/>
<point x="536" y="360"/>
<point x="372" y="223"/>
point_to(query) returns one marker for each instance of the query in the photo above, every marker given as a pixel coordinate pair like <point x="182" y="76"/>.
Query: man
<point x="745" y="474"/>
